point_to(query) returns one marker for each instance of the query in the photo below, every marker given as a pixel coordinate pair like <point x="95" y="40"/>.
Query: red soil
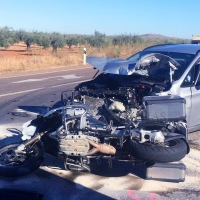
<point x="19" y="50"/>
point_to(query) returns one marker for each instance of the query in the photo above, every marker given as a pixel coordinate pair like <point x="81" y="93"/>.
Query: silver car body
<point x="187" y="86"/>
<point x="191" y="95"/>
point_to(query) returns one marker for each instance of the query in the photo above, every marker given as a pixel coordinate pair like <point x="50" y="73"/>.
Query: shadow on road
<point x="47" y="184"/>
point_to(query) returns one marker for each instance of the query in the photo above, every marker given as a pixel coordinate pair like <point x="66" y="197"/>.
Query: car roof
<point x="179" y="48"/>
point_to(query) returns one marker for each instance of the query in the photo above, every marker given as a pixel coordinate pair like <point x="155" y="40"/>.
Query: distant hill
<point x="151" y="35"/>
<point x="157" y="36"/>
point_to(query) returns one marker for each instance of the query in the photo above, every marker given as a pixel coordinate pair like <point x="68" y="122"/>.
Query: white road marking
<point x="71" y="76"/>
<point x="25" y="91"/>
<point x="21" y="92"/>
<point x="24" y="111"/>
<point x="57" y="71"/>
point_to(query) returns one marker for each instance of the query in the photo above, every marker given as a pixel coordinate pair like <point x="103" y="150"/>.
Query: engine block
<point x="76" y="145"/>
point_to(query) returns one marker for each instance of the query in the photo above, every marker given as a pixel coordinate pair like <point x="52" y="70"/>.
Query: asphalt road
<point x="41" y="90"/>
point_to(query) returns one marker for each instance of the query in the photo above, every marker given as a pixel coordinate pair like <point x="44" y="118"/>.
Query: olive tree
<point x="57" y="41"/>
<point x="7" y="37"/>
<point x="27" y="37"/>
<point x="43" y="39"/>
<point x="71" y="40"/>
<point x="97" y="40"/>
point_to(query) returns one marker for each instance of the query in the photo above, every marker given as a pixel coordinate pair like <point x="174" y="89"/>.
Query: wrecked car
<point x="161" y="70"/>
<point x="138" y="110"/>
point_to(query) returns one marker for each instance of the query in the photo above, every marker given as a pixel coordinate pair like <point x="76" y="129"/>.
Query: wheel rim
<point x="9" y="158"/>
<point x="166" y="144"/>
<point x="170" y="143"/>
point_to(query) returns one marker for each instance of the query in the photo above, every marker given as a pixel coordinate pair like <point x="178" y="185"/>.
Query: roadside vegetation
<point x="39" y="50"/>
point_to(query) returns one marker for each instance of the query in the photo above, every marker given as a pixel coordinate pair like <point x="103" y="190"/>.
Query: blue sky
<point x="175" y="18"/>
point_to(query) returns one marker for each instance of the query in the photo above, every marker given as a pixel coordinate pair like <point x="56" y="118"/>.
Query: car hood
<point x="149" y="65"/>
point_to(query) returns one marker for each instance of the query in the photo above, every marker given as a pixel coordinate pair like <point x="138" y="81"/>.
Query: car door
<point x="194" y="121"/>
<point x="190" y="90"/>
<point x="185" y="92"/>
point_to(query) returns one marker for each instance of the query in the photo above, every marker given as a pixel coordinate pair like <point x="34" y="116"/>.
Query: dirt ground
<point x="19" y="50"/>
<point x="16" y="58"/>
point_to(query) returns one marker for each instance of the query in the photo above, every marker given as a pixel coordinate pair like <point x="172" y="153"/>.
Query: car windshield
<point x="182" y="58"/>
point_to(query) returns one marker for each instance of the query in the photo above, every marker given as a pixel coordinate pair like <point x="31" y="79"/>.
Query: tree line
<point x="9" y="36"/>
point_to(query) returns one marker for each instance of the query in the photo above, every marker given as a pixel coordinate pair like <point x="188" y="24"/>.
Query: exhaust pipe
<point x="102" y="148"/>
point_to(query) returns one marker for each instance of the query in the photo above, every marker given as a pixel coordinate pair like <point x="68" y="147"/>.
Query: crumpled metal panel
<point x="128" y="67"/>
<point x="111" y="65"/>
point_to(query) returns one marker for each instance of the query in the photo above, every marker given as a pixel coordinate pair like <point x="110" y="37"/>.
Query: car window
<point x="188" y="81"/>
<point x="184" y="60"/>
<point x="135" y="57"/>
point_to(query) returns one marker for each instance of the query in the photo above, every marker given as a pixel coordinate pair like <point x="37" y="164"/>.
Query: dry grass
<point x="117" y="51"/>
<point x="35" y="62"/>
<point x="38" y="58"/>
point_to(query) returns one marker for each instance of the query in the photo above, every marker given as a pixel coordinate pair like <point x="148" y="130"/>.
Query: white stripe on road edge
<point x="21" y="92"/>
<point x="46" y="72"/>
<point x="18" y="110"/>
<point x="25" y="91"/>
<point x="71" y="76"/>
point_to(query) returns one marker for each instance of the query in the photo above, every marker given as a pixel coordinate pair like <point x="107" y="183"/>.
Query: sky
<point x="173" y="18"/>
